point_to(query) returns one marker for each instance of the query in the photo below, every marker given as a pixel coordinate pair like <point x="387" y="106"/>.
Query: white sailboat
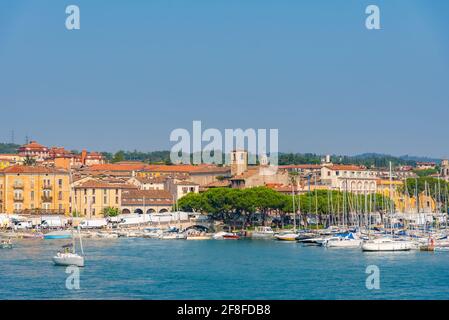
<point x="289" y="236"/>
<point x="387" y="243"/>
<point x="69" y="257"/>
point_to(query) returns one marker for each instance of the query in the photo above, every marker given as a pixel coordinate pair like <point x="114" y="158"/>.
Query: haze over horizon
<point x="134" y="73"/>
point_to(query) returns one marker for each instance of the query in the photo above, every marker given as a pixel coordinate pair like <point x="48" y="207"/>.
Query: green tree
<point x="118" y="156"/>
<point x="111" y="212"/>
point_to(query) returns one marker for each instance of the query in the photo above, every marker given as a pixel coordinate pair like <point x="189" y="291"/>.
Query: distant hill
<point x="372" y="159"/>
<point x="8" y="147"/>
<point x="420" y="159"/>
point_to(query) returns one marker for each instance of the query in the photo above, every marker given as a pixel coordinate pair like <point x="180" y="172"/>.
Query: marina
<point x="139" y="268"/>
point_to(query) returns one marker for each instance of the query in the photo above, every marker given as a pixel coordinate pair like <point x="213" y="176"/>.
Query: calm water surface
<point x="154" y="269"/>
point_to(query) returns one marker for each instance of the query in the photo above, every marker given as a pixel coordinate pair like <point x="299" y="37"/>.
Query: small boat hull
<point x="58" y="235"/>
<point x="72" y="260"/>
<point x="286" y="237"/>
<point x="231" y="237"/>
<point x="6" y="246"/>
<point x="374" y="246"/>
<point x="343" y="244"/>
<point x="199" y="237"/>
<point x="173" y="237"/>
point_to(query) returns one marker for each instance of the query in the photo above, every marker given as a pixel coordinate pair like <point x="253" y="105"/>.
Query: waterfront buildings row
<point x="83" y="184"/>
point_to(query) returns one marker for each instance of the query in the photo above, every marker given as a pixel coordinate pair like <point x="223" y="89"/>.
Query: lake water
<point x="131" y="268"/>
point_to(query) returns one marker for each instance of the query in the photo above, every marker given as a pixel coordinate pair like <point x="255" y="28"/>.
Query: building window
<point x="93" y="199"/>
<point x="32" y="195"/>
<point x="116" y="200"/>
<point x="60" y="183"/>
<point x="60" y="195"/>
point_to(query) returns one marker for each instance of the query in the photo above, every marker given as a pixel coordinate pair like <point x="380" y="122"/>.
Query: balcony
<point x="18" y="185"/>
<point x="47" y="187"/>
<point x="40" y="211"/>
<point x="18" y="198"/>
<point x="47" y="198"/>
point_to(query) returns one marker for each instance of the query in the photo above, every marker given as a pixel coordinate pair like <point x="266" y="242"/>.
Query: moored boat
<point x="262" y="233"/>
<point x="386" y="244"/>
<point x="173" y="236"/>
<point x="286" y="236"/>
<point x="231" y="236"/>
<point x="62" y="234"/>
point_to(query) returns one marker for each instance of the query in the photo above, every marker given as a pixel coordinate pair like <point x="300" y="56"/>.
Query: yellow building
<point x="34" y="190"/>
<point x="92" y="196"/>
<point x="9" y="159"/>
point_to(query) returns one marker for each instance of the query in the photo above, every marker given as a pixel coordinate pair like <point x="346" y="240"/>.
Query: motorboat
<point x="219" y="235"/>
<point x="348" y="240"/>
<point x="61" y="234"/>
<point x="288" y="236"/>
<point x="312" y="240"/>
<point x="231" y="236"/>
<point x="262" y="233"/>
<point x="198" y="236"/>
<point x="386" y="244"/>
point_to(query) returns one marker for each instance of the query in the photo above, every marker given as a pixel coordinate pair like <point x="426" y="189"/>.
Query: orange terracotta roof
<point x="117" y="167"/>
<point x="170" y="168"/>
<point x="19" y="169"/>
<point x="248" y="173"/>
<point x="33" y="145"/>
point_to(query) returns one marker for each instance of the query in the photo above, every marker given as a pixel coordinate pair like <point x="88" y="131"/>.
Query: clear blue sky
<point x="138" y="69"/>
